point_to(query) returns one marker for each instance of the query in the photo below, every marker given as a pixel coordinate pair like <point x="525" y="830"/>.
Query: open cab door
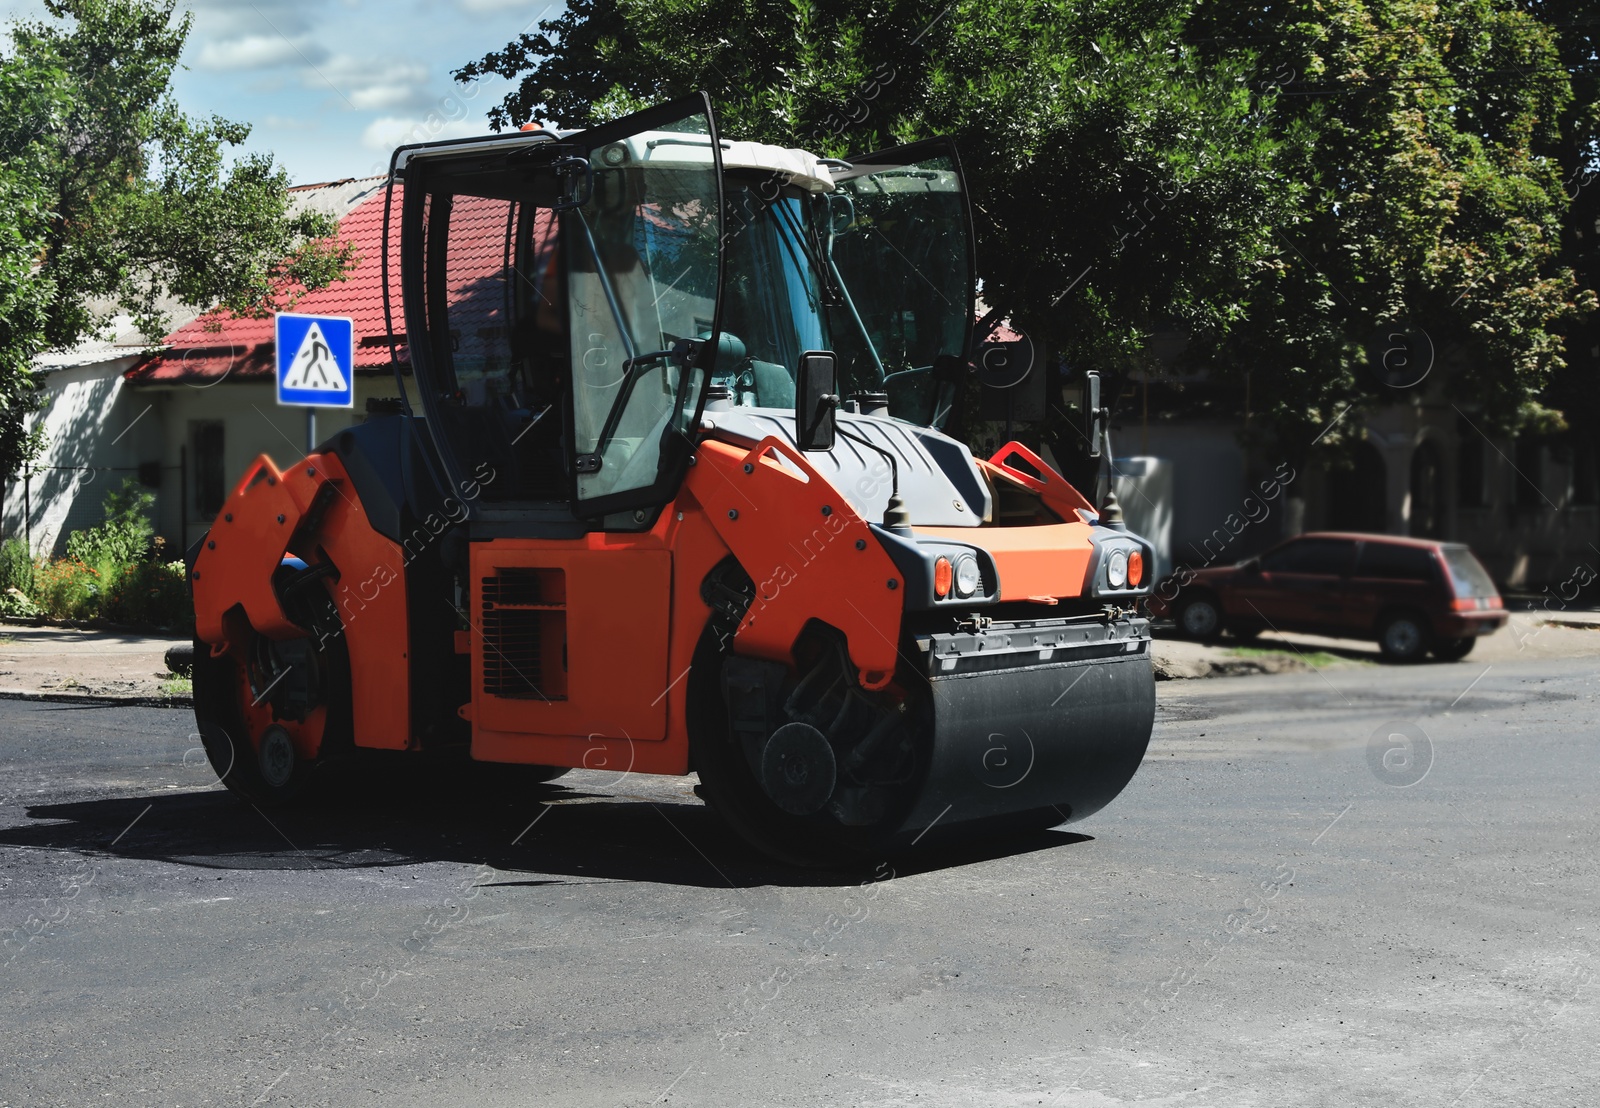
<point x="900" y="244"/>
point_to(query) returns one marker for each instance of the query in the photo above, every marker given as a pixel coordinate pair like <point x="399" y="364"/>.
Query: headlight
<point x="968" y="579"/>
<point x="1117" y="569"/>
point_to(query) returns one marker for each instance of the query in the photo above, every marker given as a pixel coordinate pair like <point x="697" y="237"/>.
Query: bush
<point x="68" y="589"/>
<point x="150" y="594"/>
<point x="16" y="566"/>
<point x="111" y="571"/>
<point x="124" y="537"/>
<point x="14" y="604"/>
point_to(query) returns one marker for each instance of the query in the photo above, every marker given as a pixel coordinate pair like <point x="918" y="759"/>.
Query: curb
<point x="97" y="698"/>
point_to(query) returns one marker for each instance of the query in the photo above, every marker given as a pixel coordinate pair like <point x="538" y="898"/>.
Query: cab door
<point x="644" y="279"/>
<point x="575" y="632"/>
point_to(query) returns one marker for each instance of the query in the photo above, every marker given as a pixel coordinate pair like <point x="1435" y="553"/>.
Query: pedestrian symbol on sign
<point x="316" y="360"/>
<point x="314" y="366"/>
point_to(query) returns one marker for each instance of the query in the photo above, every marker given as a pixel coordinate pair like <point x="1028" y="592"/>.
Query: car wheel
<point x="1403" y="637"/>
<point x="1199" y="618"/>
<point x="1453" y="650"/>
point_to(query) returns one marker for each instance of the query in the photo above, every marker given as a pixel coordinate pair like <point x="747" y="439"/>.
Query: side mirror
<point x="1251" y="566"/>
<point x="816" y="397"/>
<point x="1093" y="416"/>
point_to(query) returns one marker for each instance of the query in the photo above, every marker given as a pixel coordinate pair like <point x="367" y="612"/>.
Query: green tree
<point x="1119" y="178"/>
<point x="1573" y="388"/>
<point x="1290" y="185"/>
<point x="111" y="199"/>
<point x="1422" y="135"/>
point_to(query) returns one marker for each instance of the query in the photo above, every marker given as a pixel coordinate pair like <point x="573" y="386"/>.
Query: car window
<point x="1322" y="556"/>
<point x="1467" y="573"/>
<point x="1395" y="563"/>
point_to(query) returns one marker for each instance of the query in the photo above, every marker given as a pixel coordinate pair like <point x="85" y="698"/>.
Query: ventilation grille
<point x="517" y="588"/>
<point x="524" y="631"/>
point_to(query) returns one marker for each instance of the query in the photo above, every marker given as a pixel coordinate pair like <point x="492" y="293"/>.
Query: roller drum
<point x="1037" y="718"/>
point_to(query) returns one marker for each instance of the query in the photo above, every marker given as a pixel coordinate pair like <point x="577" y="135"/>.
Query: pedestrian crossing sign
<point x="316" y="360"/>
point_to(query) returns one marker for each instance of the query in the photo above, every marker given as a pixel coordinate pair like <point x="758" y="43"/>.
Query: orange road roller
<point x="665" y="491"/>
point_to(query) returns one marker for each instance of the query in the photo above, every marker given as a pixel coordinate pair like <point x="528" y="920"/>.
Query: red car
<point x="1414" y="596"/>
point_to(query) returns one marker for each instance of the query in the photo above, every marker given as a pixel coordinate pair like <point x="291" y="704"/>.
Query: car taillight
<point x="1476" y="604"/>
<point x="943" y="577"/>
<point x="1496" y="603"/>
<point x="1135" y="569"/>
<point x="1463" y="604"/>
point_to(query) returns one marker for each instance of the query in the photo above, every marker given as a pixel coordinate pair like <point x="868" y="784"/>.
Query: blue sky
<point x="332" y="86"/>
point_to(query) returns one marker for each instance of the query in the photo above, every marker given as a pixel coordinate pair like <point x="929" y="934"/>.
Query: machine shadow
<point x="546" y="831"/>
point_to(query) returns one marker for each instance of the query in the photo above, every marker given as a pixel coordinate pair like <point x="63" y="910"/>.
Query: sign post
<point x="316" y="364"/>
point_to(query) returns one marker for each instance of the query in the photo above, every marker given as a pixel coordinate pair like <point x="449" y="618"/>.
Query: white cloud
<point x="373" y="83"/>
<point x="232" y="19"/>
<point x="259" y="52"/>
<point x="388" y="131"/>
<point x="382" y="96"/>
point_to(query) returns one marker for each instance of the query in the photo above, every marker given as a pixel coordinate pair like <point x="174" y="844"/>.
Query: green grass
<point x="1316" y="659"/>
<point x="7" y="640"/>
<point x="177" y="686"/>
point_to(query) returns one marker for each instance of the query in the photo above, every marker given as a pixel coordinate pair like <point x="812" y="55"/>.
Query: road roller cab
<point x="666" y="492"/>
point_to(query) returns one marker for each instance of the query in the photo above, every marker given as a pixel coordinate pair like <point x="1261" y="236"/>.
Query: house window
<point x="1469" y="471"/>
<point x="205" y="448"/>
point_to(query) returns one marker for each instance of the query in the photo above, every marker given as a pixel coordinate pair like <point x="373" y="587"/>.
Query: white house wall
<point x="98" y="432"/>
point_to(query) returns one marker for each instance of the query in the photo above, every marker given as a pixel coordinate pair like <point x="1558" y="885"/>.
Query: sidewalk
<point x="69" y="661"/>
<point x="63" y="661"/>
<point x="1527" y="635"/>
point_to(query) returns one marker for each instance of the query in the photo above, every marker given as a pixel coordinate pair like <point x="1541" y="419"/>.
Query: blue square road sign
<point x="316" y="360"/>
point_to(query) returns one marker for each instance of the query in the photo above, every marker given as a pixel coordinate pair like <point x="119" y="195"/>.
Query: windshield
<point x="876" y="272"/>
<point x="773" y="307"/>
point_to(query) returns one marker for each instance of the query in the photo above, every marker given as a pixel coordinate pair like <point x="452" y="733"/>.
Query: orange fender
<point x="811" y="556"/>
<point x="313" y="508"/>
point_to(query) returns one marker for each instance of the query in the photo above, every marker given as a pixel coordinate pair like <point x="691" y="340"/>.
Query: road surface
<point x="1280" y="910"/>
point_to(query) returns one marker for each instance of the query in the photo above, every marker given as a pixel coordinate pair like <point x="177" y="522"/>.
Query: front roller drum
<point x="1040" y="724"/>
<point x="1018" y="724"/>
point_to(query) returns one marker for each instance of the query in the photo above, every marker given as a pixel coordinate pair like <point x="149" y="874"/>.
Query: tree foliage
<point x="1292" y="186"/>
<point x="112" y="199"/>
<point x="1424" y="136"/>
<point x="1116" y="177"/>
<point x="1577" y="26"/>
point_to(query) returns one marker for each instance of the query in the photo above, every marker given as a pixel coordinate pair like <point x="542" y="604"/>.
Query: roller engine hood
<point x="939" y="481"/>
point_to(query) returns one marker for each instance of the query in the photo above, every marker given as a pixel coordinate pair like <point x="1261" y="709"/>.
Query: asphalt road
<point x="1271" y="914"/>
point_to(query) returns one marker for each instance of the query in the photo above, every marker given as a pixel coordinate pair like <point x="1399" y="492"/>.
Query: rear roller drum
<point x="274" y="721"/>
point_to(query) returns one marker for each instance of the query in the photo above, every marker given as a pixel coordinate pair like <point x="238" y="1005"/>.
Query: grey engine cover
<point x="939" y="481"/>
